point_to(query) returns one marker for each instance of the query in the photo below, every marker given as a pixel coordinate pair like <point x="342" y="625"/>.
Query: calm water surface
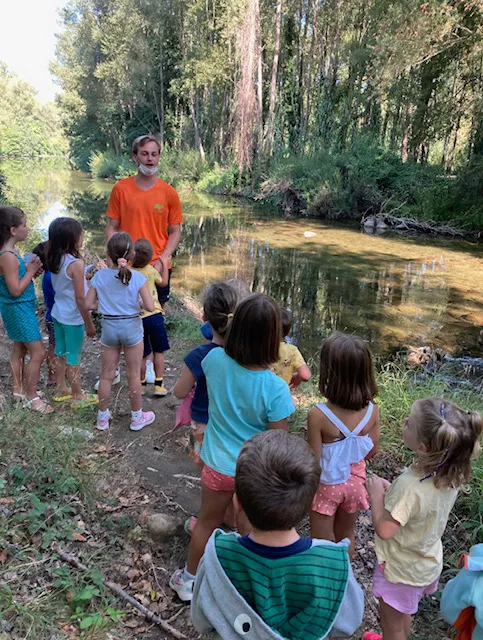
<point x="392" y="290"/>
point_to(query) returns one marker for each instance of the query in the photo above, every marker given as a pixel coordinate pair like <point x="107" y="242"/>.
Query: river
<point x="392" y="290"/>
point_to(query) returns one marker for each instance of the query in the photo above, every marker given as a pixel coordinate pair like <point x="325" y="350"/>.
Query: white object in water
<point x="309" y="234"/>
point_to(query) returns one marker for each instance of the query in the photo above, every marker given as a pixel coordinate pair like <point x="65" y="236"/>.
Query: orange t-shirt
<point x="145" y="214"/>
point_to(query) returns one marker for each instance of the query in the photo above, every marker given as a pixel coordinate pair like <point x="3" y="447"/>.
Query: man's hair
<point x="286" y="318"/>
<point x="143" y="253"/>
<point x="277" y="476"/>
<point x="140" y="141"/>
<point x="254" y="336"/>
<point x="346" y="372"/>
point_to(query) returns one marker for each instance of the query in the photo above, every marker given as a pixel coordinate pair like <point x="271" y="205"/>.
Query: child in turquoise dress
<point x="17" y="306"/>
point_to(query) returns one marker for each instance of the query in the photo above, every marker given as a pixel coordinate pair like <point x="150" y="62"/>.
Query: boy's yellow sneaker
<point x="159" y="389"/>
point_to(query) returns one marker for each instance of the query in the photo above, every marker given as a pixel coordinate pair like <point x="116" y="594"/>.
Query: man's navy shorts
<point x="155" y="336"/>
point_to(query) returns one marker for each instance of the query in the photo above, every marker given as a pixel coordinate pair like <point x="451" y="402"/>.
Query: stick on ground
<point x="115" y="588"/>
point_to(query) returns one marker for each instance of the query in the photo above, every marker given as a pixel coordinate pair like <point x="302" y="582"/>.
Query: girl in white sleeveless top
<point x="343" y="433"/>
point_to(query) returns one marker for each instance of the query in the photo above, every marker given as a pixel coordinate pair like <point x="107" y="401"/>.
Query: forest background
<point x="334" y="108"/>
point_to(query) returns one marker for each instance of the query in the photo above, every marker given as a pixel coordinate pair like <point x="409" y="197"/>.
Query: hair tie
<point x="121" y="262"/>
<point x="442" y="412"/>
<point x="229" y="315"/>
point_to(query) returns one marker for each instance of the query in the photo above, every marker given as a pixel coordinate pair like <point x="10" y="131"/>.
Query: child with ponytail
<point x="116" y="291"/>
<point x="410" y="515"/>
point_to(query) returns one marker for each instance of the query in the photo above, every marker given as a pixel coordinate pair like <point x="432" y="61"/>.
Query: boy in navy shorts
<point x="155" y="336"/>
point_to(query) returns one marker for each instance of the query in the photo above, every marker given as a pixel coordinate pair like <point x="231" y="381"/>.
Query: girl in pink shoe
<point x="343" y="433"/>
<point x="116" y="292"/>
<point x="410" y="515"/>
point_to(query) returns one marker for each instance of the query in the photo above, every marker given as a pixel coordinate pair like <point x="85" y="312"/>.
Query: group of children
<point x="124" y="293"/>
<point x="269" y="582"/>
<point x="265" y="581"/>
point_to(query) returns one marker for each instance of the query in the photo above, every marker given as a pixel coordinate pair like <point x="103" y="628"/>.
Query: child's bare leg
<point x="213" y="507"/>
<point x="51" y="364"/>
<point x="344" y="527"/>
<point x="74" y="375"/>
<point x="134" y="360"/>
<point x="16" y="367"/>
<point x="321" y="526"/>
<point x="109" y="363"/>
<point x="32" y="370"/>
<point x="159" y="365"/>
<point x="60" y="377"/>
<point x="395" y="625"/>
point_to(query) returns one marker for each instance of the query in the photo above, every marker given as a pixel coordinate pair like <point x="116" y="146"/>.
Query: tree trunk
<point x="269" y="126"/>
<point x="194" y="117"/>
<point x="161" y="92"/>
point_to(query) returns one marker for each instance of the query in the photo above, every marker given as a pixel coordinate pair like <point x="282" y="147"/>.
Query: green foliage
<point x="219" y="181"/>
<point x="27" y="128"/>
<point x="108" y="165"/>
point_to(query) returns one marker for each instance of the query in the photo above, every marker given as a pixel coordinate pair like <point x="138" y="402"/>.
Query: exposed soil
<point x="149" y="472"/>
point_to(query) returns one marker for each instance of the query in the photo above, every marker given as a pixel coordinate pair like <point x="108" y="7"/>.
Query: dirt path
<point x="151" y="473"/>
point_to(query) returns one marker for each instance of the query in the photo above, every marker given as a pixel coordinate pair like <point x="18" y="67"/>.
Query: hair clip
<point x="229" y="315"/>
<point x="442" y="411"/>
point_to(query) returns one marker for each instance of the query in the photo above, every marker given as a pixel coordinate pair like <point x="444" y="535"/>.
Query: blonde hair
<point x="451" y="437"/>
<point x="140" y="141"/>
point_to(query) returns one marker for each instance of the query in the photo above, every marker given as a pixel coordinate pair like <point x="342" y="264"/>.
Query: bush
<point x="219" y="181"/>
<point x="108" y="165"/>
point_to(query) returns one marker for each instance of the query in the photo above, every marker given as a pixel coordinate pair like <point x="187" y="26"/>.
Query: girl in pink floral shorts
<point x="343" y="433"/>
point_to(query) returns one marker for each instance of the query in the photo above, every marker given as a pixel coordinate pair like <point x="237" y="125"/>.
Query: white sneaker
<point x="103" y="424"/>
<point x="183" y="586"/>
<point x="116" y="380"/>
<point x="150" y="375"/>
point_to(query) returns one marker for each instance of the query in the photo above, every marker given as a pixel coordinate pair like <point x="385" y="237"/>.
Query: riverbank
<point x="363" y="181"/>
<point x="91" y="494"/>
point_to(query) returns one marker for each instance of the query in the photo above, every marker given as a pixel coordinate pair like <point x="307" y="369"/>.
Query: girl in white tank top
<point x="343" y="433"/>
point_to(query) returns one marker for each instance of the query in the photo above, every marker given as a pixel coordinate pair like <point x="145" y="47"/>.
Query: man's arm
<point x="174" y="232"/>
<point x="112" y="227"/>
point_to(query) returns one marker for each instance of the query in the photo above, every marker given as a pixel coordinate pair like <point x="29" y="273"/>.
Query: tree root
<point x="115" y="588"/>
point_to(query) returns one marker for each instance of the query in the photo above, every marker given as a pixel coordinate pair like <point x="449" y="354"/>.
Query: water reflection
<point x="392" y="291"/>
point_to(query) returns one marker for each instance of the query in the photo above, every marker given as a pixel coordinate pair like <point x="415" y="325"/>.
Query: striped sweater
<point x="303" y="591"/>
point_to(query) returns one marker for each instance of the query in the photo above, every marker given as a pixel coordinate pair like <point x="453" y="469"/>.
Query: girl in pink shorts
<point x="245" y="398"/>
<point x="410" y="515"/>
<point x="343" y="433"/>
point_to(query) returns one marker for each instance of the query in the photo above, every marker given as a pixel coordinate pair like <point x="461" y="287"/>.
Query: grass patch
<point x="48" y="496"/>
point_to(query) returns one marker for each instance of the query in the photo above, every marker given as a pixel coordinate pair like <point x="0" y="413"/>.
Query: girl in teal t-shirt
<point x="245" y="398"/>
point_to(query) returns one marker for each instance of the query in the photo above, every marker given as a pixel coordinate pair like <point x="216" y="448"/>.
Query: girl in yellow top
<point x="410" y="515"/>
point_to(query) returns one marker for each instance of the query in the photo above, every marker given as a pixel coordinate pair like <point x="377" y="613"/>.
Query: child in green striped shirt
<point x="273" y="584"/>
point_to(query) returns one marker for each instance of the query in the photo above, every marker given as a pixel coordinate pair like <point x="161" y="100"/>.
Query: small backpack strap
<point x="365" y="420"/>
<point x="337" y="422"/>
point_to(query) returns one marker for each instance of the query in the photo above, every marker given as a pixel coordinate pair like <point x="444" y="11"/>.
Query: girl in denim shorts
<point x="116" y="292"/>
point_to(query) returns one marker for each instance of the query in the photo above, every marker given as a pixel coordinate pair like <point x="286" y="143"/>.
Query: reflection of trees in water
<point x="389" y="303"/>
<point x="89" y="207"/>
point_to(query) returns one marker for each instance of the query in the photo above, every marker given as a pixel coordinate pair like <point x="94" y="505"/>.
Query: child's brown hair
<point x="143" y="253"/>
<point x="286" y="318"/>
<point x="9" y="217"/>
<point x="254" y="336"/>
<point x="219" y="306"/>
<point x="120" y="250"/>
<point x="276" y="478"/>
<point x="451" y="437"/>
<point x="346" y="372"/>
<point x="64" y="235"/>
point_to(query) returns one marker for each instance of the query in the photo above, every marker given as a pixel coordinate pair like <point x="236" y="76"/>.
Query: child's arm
<point x="280" y="424"/>
<point x="374" y="433"/>
<point x="76" y="271"/>
<point x="146" y="297"/>
<point x="91" y="298"/>
<point x="15" y="285"/>
<point x="384" y="524"/>
<point x="185" y="383"/>
<point x="315" y="431"/>
<point x="302" y="372"/>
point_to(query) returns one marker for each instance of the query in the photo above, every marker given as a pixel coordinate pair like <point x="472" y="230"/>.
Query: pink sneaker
<point x="148" y="417"/>
<point x="370" y="635"/>
<point x="103" y="423"/>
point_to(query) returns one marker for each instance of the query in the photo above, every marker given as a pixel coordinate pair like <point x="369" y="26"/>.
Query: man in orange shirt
<point x="147" y="207"/>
